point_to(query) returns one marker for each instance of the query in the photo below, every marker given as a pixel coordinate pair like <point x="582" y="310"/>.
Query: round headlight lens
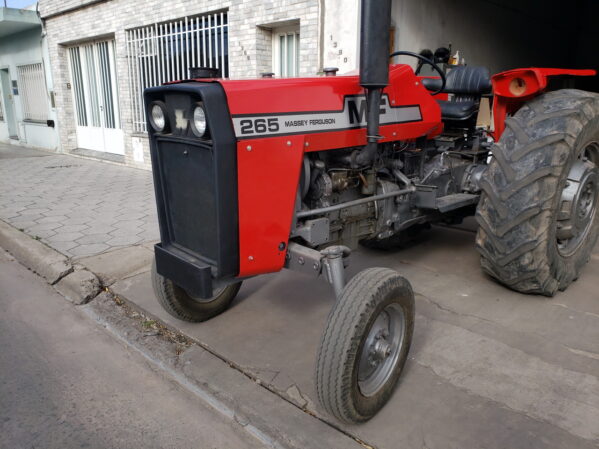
<point x="199" y="121"/>
<point x="158" y="117"/>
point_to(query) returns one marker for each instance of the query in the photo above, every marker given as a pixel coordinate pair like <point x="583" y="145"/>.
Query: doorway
<point x="9" y="104"/>
<point x="95" y="97"/>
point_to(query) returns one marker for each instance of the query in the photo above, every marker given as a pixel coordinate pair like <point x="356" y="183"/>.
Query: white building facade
<point x="105" y="52"/>
<point x="27" y="111"/>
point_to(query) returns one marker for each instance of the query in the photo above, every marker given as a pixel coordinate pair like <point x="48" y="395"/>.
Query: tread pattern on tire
<point x="521" y="190"/>
<point x="341" y="337"/>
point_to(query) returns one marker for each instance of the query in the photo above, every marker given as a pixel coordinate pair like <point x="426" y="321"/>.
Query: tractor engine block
<point x="432" y="170"/>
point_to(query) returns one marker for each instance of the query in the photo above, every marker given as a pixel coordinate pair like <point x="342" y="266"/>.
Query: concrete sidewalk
<point x="77" y="206"/>
<point x="488" y="367"/>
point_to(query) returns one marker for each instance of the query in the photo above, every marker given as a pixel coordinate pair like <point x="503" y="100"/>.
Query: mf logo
<point x="356" y="107"/>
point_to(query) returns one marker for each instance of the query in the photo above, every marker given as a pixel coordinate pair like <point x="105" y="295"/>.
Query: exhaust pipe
<point x="374" y="69"/>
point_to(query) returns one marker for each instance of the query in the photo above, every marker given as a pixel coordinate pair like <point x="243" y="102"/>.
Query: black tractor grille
<point x="196" y="182"/>
<point x="189" y="197"/>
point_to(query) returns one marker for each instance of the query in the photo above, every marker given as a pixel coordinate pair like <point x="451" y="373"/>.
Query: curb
<point x="46" y="262"/>
<point x="77" y="285"/>
<point x="275" y="422"/>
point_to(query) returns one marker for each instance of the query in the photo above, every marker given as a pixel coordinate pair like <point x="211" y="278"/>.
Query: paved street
<point x="488" y="367"/>
<point x="65" y="383"/>
<point x="77" y="206"/>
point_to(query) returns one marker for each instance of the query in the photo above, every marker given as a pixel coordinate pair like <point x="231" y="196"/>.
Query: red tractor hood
<point x="271" y="107"/>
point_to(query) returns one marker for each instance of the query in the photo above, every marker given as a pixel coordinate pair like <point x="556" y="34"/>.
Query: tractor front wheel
<point x="365" y="344"/>
<point x="538" y="211"/>
<point x="178" y="303"/>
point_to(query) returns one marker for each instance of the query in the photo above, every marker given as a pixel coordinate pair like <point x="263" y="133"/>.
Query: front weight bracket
<point x="331" y="261"/>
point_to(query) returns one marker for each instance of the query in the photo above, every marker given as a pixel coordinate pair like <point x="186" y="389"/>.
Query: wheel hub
<point x="381" y="350"/>
<point x="577" y="206"/>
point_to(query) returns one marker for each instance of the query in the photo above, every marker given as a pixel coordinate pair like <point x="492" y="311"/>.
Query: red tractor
<point x="258" y="175"/>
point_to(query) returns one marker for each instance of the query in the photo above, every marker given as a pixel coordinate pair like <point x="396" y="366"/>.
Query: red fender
<point x="513" y="88"/>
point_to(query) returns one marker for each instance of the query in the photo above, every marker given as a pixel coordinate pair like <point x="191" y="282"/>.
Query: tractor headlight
<point x="158" y="116"/>
<point x="198" y="121"/>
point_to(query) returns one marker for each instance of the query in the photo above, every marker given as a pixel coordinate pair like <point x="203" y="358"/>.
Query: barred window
<point x="32" y="90"/>
<point x="165" y="52"/>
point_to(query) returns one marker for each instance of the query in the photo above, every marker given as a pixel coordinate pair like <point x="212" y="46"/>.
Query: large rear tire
<point x="538" y="210"/>
<point x="178" y="303"/>
<point x="365" y="344"/>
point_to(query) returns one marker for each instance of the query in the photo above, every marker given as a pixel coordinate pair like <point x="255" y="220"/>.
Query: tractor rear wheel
<point x="538" y="210"/>
<point x="365" y="344"/>
<point x="178" y="303"/>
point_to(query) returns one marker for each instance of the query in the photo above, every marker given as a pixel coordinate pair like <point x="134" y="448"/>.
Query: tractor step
<point x="456" y="201"/>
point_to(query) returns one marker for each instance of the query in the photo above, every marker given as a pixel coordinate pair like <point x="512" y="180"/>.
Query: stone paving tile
<point x="43" y="234"/>
<point x="76" y="219"/>
<point x="63" y="247"/>
<point x="63" y="237"/>
<point x="23" y="224"/>
<point x="74" y="227"/>
<point x="91" y="238"/>
<point x="26" y="216"/>
<point x="44" y="227"/>
<point x="124" y="241"/>
<point x="100" y="228"/>
<point x="52" y="219"/>
<point x="88" y="250"/>
<point x="77" y="206"/>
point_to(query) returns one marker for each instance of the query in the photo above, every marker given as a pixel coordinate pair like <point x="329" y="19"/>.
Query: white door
<point x="95" y="97"/>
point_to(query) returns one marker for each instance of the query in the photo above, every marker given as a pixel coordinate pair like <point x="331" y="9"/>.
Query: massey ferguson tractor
<point x="252" y="176"/>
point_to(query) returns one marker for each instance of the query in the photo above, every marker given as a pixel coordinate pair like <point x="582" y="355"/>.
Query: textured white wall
<point x="341" y="34"/>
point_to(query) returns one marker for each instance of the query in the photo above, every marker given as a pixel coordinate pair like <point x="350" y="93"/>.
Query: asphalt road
<point x="66" y="383"/>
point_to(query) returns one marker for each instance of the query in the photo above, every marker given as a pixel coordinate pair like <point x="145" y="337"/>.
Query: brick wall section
<point x="53" y="6"/>
<point x="249" y="43"/>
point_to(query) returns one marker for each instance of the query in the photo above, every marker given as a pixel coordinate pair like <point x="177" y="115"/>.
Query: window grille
<point x="165" y="52"/>
<point x="32" y="91"/>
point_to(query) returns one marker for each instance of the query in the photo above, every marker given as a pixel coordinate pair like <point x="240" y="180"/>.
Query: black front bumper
<point x="195" y="180"/>
<point x="189" y="273"/>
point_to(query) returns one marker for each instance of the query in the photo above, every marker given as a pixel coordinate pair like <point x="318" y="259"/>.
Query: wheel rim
<point x="381" y="349"/>
<point x="578" y="203"/>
